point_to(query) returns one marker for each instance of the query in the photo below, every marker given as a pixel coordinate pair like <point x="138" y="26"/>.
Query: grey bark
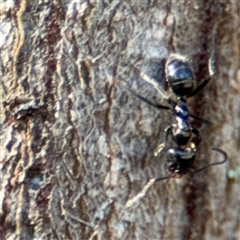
<point x="77" y="147"/>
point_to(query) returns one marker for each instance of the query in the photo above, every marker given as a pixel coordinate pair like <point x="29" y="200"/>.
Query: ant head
<point x="180" y="160"/>
<point x="179" y="75"/>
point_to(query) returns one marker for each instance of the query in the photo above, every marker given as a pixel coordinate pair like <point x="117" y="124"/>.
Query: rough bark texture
<point x="76" y="145"/>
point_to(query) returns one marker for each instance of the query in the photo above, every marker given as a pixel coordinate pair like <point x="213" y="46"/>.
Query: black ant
<point x="181" y="80"/>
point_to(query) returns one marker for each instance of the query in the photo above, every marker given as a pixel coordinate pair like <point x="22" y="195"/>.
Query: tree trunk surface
<point x="77" y="147"/>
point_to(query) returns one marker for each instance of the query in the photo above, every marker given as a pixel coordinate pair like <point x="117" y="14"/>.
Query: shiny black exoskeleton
<point x="179" y="76"/>
<point x="182" y="157"/>
<point x="181" y="80"/>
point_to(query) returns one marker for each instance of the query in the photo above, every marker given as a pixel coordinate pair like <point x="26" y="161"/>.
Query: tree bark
<point x="77" y="147"/>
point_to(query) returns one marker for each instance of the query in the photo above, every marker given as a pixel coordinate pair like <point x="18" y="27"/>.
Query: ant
<point x="180" y="78"/>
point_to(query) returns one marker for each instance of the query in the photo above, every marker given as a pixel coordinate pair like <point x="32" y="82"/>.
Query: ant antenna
<point x="215" y="163"/>
<point x="163" y="178"/>
<point x="200" y="169"/>
<point x="139" y="196"/>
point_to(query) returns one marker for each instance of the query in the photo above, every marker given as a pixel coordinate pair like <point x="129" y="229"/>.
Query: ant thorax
<point x="181" y="130"/>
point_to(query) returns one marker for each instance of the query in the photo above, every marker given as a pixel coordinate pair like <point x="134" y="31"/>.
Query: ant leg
<point x="153" y="82"/>
<point x="197" y="137"/>
<point x="200" y="87"/>
<point x="200" y="119"/>
<point x="158" y="106"/>
<point x="171" y="102"/>
<point x="162" y="145"/>
<point x="215" y="163"/>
